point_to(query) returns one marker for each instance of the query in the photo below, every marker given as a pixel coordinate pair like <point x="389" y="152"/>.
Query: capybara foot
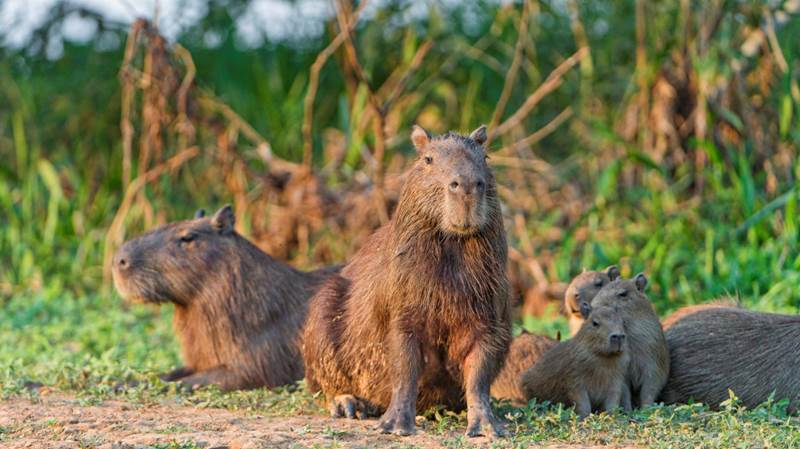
<point x="398" y="422"/>
<point x="483" y="422"/>
<point x="176" y="374"/>
<point x="347" y="406"/>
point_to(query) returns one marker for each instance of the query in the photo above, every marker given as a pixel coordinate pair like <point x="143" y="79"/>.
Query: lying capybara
<point x="420" y="315"/>
<point x="649" y="357"/>
<point x="580" y="292"/>
<point x="677" y="315"/>
<point x="523" y="353"/>
<point x="753" y="354"/>
<point x="238" y="311"/>
<point x="588" y="370"/>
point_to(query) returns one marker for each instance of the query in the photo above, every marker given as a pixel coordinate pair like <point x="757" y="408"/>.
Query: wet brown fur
<point x="677" y="315"/>
<point x="523" y="353"/>
<point x="583" y="371"/>
<point x="649" y="357"/>
<point x="580" y="292"/>
<point x="420" y="316"/>
<point x="719" y="348"/>
<point x="238" y="311"/>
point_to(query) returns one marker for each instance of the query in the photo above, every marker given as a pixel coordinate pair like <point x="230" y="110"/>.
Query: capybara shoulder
<point x="238" y="312"/>
<point x="523" y="353"/>
<point x="718" y="349"/>
<point x="420" y="315"/>
<point x="580" y="292"/>
<point x="649" y="365"/>
<point x="587" y="371"/>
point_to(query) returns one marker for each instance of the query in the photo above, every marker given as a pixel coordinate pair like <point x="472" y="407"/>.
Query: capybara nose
<point x="617" y="339"/>
<point x="466" y="187"/>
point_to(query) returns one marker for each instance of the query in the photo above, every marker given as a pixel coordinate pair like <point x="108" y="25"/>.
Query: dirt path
<point x="62" y="422"/>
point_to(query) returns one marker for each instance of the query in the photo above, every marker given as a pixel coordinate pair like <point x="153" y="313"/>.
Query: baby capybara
<point x="580" y="292"/>
<point x="523" y="353"/>
<point x="238" y="311"/>
<point x="649" y="365"/>
<point x="753" y="354"/>
<point x="420" y="315"/>
<point x="588" y="370"/>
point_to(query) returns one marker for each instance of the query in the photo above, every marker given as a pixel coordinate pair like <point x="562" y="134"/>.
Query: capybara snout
<point x="615" y="342"/>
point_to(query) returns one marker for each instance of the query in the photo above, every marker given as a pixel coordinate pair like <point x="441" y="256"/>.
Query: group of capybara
<point x="420" y="316"/>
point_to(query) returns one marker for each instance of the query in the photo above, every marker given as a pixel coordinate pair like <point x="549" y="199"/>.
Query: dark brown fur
<point x="587" y="371"/>
<point x="677" y="315"/>
<point x="523" y="353"/>
<point x="754" y="354"/>
<point x="649" y="357"/>
<point x="238" y="311"/>
<point x="580" y="292"/>
<point x="421" y="315"/>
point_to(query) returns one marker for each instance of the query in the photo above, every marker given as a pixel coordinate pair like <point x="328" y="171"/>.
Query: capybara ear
<point x="479" y="135"/>
<point x="612" y="272"/>
<point x="420" y="138"/>
<point x="224" y="219"/>
<point x="200" y="213"/>
<point x="641" y="282"/>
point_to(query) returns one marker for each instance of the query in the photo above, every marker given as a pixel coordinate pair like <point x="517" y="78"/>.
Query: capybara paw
<point x="347" y="406"/>
<point x="484" y="423"/>
<point x="397" y="422"/>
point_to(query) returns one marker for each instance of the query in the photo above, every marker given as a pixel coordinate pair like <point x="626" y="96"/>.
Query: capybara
<point x="588" y="370"/>
<point x="751" y="353"/>
<point x="523" y="353"/>
<point x="238" y="311"/>
<point x="649" y="357"/>
<point x="580" y="292"/>
<point x="421" y="313"/>
<point x="677" y="315"/>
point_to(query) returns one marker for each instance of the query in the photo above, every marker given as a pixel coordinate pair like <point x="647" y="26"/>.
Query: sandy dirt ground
<point x="63" y="422"/>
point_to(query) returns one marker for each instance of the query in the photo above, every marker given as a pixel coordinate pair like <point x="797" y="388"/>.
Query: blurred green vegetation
<point x="679" y="156"/>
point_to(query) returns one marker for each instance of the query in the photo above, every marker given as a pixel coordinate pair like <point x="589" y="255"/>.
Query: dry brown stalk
<point x="540" y="134"/>
<point x="552" y="82"/>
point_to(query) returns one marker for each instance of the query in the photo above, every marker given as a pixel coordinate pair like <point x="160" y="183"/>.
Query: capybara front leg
<point x="479" y="368"/>
<point x="583" y="405"/>
<point x="649" y="392"/>
<point x="613" y="400"/>
<point x="405" y="353"/>
<point x="176" y="374"/>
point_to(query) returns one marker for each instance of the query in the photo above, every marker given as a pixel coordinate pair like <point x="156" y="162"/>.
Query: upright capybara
<point x="238" y="311"/>
<point x="753" y="354"/>
<point x="649" y="357"/>
<point x="524" y="352"/>
<point x="677" y="315"/>
<point x="588" y="370"/>
<point x="421" y="314"/>
<point x="580" y="292"/>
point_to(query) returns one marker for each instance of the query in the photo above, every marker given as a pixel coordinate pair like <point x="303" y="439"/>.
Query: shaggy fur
<point x="238" y="311"/>
<point x="421" y="315"/>
<point x="587" y="371"/>
<point x="751" y="353"/>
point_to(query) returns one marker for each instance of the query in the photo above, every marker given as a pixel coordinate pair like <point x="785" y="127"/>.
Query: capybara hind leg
<point x="399" y="416"/>
<point x="479" y="366"/>
<point x="220" y="376"/>
<point x="347" y="406"/>
<point x="176" y="374"/>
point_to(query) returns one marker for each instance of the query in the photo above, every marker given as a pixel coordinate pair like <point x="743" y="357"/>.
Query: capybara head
<point x="604" y="332"/>
<point x="582" y="289"/>
<point x="623" y="293"/>
<point x="174" y="261"/>
<point x="452" y="174"/>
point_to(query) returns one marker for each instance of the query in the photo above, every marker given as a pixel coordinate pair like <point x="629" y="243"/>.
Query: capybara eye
<point x="595" y="323"/>
<point x="598" y="282"/>
<point x="428" y="160"/>
<point x="188" y="237"/>
<point x="623" y="293"/>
